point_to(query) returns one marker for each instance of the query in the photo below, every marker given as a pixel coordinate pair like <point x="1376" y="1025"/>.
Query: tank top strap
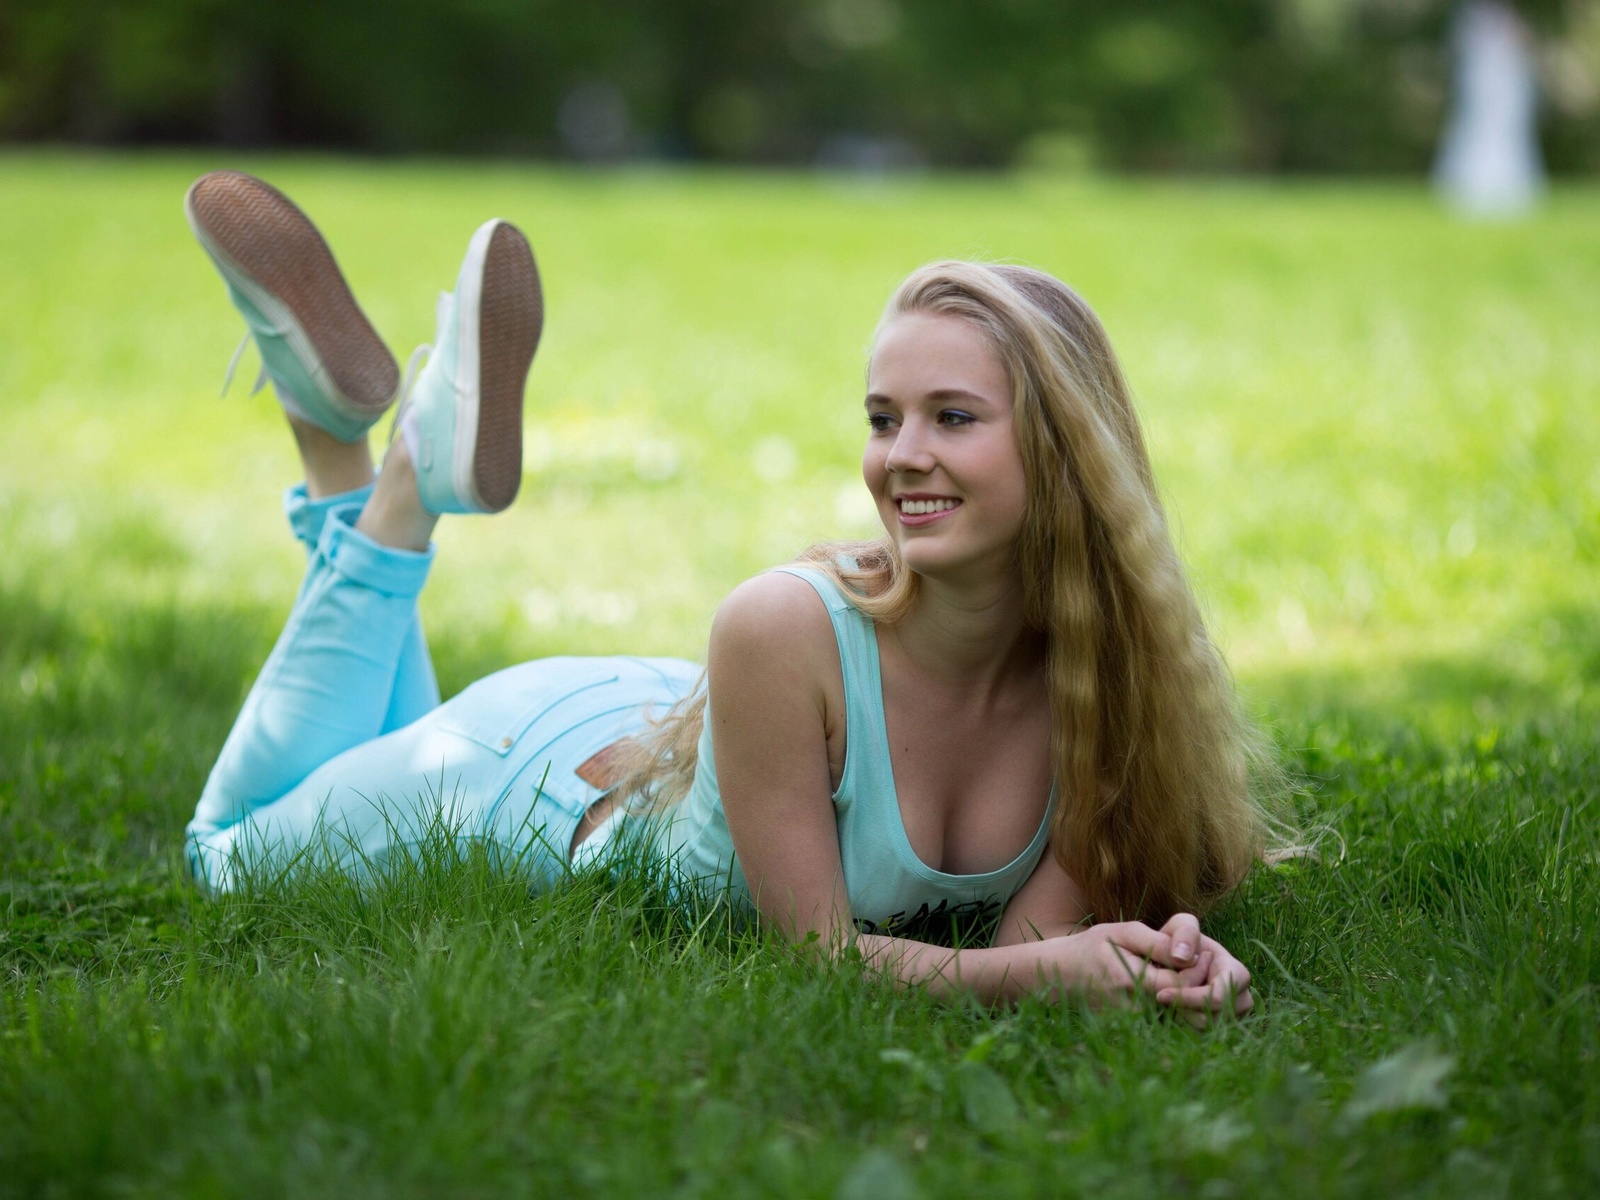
<point x="865" y="772"/>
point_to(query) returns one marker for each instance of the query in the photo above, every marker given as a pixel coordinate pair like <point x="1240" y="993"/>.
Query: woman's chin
<point x="939" y="562"/>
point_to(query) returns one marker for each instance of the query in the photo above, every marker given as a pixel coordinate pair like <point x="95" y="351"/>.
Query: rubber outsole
<point x="265" y="235"/>
<point x="510" y="320"/>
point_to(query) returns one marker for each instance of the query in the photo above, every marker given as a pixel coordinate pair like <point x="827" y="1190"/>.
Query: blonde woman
<point x="1007" y="705"/>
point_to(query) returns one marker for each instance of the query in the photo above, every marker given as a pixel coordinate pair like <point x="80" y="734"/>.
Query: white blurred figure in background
<point x="1489" y="162"/>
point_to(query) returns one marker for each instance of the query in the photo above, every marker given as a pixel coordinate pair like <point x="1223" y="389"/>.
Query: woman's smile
<point x="918" y="509"/>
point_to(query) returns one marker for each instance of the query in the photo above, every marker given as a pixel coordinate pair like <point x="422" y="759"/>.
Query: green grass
<point x="1374" y="426"/>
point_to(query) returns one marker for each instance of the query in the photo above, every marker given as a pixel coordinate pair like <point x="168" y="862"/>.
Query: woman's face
<point x="942" y="461"/>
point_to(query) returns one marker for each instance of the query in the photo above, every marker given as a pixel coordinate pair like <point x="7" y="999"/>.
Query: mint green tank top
<point x="891" y="890"/>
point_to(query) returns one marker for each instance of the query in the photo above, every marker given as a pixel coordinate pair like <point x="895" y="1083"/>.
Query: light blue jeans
<point x="342" y="745"/>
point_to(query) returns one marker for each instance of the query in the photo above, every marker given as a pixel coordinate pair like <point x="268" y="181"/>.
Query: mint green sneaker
<point x="327" y="363"/>
<point x="462" y="422"/>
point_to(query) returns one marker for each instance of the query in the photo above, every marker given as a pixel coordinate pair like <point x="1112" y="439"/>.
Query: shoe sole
<point x="256" y="230"/>
<point x="510" y="320"/>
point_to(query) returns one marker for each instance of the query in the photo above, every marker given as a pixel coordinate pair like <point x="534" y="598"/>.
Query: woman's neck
<point x="969" y="636"/>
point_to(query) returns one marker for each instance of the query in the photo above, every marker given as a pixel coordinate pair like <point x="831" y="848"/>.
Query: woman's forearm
<point x="993" y="974"/>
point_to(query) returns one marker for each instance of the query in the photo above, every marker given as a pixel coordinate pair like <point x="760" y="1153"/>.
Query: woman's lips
<point x="943" y="506"/>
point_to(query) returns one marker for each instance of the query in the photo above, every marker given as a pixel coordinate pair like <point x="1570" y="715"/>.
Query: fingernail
<point x="1164" y="996"/>
<point x="1183" y="950"/>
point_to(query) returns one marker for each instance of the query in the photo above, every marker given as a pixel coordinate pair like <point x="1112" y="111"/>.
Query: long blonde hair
<point x="1153" y="758"/>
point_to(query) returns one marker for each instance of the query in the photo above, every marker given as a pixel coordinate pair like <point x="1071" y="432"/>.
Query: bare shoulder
<point x="775" y="618"/>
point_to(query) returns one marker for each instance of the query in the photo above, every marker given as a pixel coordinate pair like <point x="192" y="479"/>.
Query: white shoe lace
<point x="413" y="369"/>
<point x="408" y="381"/>
<point x="233" y="365"/>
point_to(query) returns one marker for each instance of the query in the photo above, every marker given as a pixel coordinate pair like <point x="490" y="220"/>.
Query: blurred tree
<point x="1273" y="85"/>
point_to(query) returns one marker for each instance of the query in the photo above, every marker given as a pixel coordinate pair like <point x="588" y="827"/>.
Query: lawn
<point x="1373" y="425"/>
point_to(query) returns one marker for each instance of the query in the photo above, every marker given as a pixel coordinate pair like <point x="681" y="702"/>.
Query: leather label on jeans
<point x="603" y="769"/>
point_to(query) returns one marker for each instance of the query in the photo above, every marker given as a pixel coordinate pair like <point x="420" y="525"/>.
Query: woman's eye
<point x="951" y="416"/>
<point x="878" y="421"/>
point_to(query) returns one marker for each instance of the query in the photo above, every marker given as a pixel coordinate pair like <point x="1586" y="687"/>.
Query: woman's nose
<point x="911" y="452"/>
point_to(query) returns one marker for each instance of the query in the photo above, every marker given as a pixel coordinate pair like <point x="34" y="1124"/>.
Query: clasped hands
<point x="1177" y="965"/>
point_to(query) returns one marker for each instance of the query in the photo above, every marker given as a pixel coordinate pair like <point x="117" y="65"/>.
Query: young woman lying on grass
<point x="1009" y="703"/>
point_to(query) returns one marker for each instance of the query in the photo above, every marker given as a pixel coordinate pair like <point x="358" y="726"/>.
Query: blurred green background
<point x="1234" y="85"/>
<point x="1372" y="420"/>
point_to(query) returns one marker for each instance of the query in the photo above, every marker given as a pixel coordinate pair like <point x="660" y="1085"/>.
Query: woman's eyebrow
<point x="958" y="394"/>
<point x="939" y="395"/>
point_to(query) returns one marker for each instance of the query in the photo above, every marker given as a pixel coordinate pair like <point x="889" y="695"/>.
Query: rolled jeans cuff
<point x="361" y="560"/>
<point x="307" y="517"/>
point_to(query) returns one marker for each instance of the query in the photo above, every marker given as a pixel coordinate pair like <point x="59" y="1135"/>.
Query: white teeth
<point x="916" y="508"/>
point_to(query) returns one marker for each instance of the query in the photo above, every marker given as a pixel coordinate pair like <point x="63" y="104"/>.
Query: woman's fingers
<point x="1211" y="981"/>
<point x="1198" y="974"/>
<point x="1207" y="998"/>
<point x="1226" y="970"/>
<point x="1225" y="985"/>
<point x="1129" y="970"/>
<point x="1132" y="965"/>
<point x="1182" y="932"/>
<point x="1136" y="938"/>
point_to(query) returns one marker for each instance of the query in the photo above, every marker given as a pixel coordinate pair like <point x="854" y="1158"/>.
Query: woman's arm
<point x="1104" y="963"/>
<point x="771" y="662"/>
